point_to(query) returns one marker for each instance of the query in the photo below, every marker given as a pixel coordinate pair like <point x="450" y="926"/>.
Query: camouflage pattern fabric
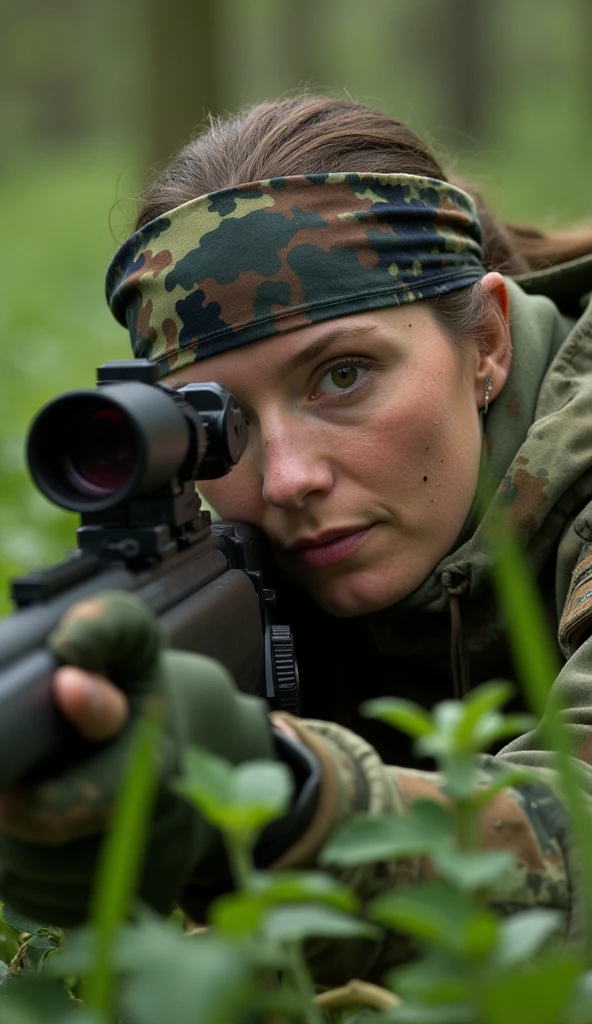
<point x="246" y="263"/>
<point x="528" y="820"/>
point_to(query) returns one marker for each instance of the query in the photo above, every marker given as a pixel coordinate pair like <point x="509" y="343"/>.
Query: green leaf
<point x="303" y="886"/>
<point x="206" y="780"/>
<point x="302" y="921"/>
<point x="441" y="742"/>
<point x="237" y="914"/>
<point x="363" y="1016"/>
<point x="477" y="705"/>
<point x="20" y="922"/>
<point x="120" y="859"/>
<point x="167" y="976"/>
<point x="366" y="839"/>
<point x="266" y="786"/>
<point x="504" y="779"/>
<point x="4" y="972"/>
<point x="539" y="992"/>
<point x="480" y="935"/>
<point x="235" y="799"/>
<point x="38" y="948"/>
<point x="535" y="657"/>
<point x="410" y="718"/>
<point x="435" y="978"/>
<point x="215" y="986"/>
<point x="462" y="777"/>
<point x="457" y="1013"/>
<point x="433" y="912"/>
<point x="74" y="956"/>
<point x="43" y="1000"/>
<point x="522" y="935"/>
<point x="500" y="727"/>
<point x="473" y="870"/>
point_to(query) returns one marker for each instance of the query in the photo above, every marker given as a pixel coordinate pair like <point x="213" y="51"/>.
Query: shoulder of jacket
<point x="568" y="284"/>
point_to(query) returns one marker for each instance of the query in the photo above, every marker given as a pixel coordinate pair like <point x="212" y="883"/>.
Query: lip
<point x="330" y="547"/>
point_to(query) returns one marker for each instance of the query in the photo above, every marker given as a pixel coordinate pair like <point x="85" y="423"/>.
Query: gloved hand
<point x="50" y="834"/>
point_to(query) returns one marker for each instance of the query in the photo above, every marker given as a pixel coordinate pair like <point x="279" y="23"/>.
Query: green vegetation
<point x="54" y="324"/>
<point x="471" y="966"/>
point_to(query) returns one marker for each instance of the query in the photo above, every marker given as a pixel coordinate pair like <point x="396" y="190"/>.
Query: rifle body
<point x="208" y="597"/>
<point x="126" y="457"/>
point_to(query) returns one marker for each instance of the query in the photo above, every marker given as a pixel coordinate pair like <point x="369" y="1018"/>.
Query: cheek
<point x="429" y="442"/>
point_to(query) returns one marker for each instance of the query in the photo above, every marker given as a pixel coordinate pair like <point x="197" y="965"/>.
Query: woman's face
<point x="363" y="452"/>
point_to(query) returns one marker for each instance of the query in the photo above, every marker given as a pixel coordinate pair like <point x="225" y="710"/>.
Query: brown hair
<point x="309" y="134"/>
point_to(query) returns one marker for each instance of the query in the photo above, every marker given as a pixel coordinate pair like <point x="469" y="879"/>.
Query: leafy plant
<point x="469" y="965"/>
<point x="249" y="965"/>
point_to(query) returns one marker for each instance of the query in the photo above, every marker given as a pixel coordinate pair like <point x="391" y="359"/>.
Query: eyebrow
<point x="318" y="348"/>
<point x="308" y="354"/>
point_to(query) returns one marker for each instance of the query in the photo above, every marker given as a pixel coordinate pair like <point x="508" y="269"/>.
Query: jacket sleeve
<point x="529" y="821"/>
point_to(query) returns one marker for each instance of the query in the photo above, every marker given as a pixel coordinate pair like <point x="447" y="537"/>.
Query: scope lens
<point x="102" y="454"/>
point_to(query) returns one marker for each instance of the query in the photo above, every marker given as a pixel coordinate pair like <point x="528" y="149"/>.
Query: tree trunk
<point x="182" y="83"/>
<point x="453" y="43"/>
<point x="297" y="44"/>
<point x="467" y="65"/>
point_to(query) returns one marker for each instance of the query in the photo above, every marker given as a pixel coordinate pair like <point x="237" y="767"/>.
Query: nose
<point x="295" y="468"/>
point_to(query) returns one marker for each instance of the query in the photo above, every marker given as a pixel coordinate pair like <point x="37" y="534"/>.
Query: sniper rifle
<point x="126" y="456"/>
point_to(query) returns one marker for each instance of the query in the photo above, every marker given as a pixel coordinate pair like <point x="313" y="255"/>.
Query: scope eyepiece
<point x="91" y="450"/>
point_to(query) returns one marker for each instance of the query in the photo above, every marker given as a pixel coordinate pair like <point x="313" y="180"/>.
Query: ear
<point x="495" y="348"/>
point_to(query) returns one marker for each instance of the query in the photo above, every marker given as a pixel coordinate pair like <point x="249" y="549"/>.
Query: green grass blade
<point x="120" y="862"/>
<point x="537" y="666"/>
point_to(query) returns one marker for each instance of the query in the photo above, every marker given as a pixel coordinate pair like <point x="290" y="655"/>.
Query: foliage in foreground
<point x="249" y="966"/>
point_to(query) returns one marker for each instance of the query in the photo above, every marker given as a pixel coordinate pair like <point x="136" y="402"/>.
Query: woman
<point x="355" y="303"/>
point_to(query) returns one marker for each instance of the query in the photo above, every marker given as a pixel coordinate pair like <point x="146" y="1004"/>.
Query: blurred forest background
<point x="96" y="94"/>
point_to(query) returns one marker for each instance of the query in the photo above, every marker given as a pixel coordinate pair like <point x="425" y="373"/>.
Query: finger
<point x="113" y="634"/>
<point x="97" y="709"/>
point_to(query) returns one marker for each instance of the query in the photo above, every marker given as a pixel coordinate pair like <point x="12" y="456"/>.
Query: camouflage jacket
<point x="539" y="452"/>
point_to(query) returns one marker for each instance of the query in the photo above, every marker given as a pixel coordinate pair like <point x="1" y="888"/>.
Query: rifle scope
<point x="89" y="451"/>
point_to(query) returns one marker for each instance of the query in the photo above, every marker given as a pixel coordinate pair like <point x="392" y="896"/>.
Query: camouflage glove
<point x="50" y="878"/>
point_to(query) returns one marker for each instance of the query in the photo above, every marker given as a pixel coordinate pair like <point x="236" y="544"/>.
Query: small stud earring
<point x="487" y="395"/>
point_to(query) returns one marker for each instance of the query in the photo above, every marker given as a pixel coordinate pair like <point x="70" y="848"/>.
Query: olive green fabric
<point x="199" y="704"/>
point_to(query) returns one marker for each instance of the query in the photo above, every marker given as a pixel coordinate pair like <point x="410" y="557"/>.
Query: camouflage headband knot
<point x="246" y="263"/>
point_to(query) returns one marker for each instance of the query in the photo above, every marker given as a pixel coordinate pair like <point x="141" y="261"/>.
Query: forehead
<point x="288" y="351"/>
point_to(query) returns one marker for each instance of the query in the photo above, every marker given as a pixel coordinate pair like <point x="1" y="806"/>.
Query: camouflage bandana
<point x="247" y="263"/>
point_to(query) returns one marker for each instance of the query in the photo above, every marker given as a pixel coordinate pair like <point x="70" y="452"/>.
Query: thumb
<point x="97" y="709"/>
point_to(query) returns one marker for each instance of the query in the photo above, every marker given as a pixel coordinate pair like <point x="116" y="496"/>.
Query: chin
<point x="347" y="602"/>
